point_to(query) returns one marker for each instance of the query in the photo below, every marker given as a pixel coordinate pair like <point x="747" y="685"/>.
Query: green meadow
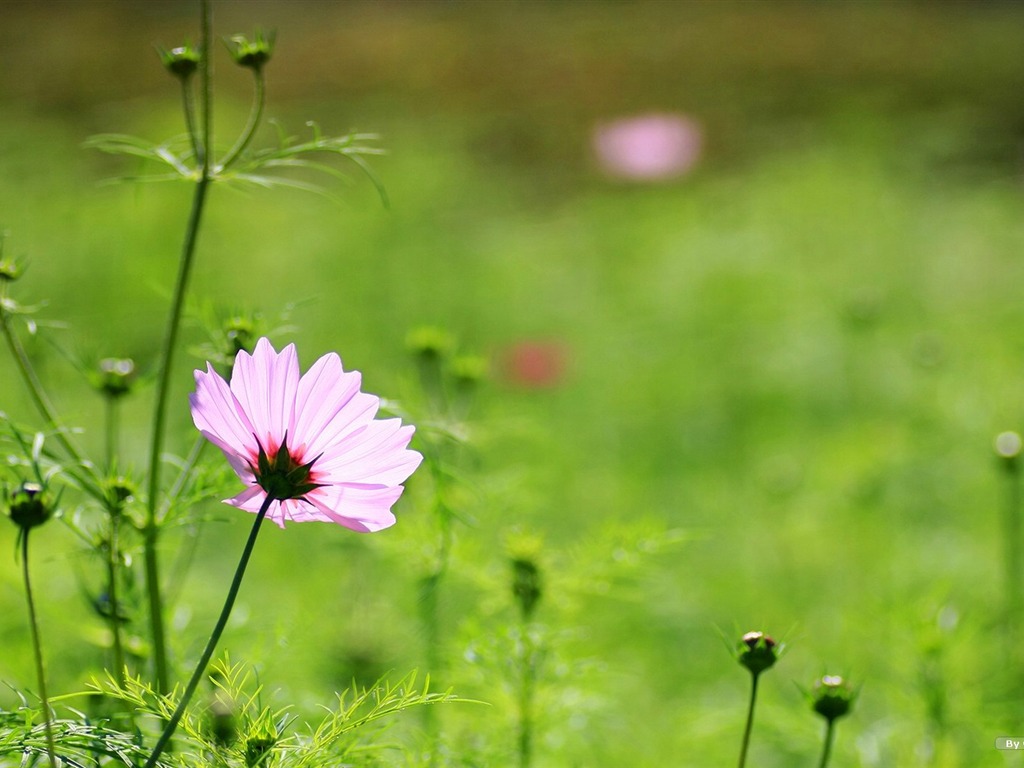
<point x="776" y="379"/>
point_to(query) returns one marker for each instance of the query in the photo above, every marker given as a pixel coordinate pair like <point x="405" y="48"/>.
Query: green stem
<point x="113" y="598"/>
<point x="259" y="99"/>
<point x="750" y="720"/>
<point x="526" y="686"/>
<point x="827" y="752"/>
<point x="188" y="107"/>
<point x="211" y="644"/>
<point x="151" y="529"/>
<point x="37" y="648"/>
<point x="1012" y="546"/>
<point x="112" y="429"/>
<point x="35" y="387"/>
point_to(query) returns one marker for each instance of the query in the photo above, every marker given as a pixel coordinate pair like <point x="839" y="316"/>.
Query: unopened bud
<point x="259" y="745"/>
<point x="182" y="62"/>
<point x="29" y="506"/>
<point x="526" y="585"/>
<point x="252" y="54"/>
<point x="430" y="343"/>
<point x="832" y="697"/>
<point x="1008" y="449"/>
<point x="116" y="376"/>
<point x="757" y="652"/>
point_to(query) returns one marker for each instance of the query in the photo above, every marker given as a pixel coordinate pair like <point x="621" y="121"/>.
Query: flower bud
<point x="757" y="652"/>
<point x="259" y="745"/>
<point x="430" y="344"/>
<point x="1008" y="449"/>
<point x="182" y="62"/>
<point x="222" y="724"/>
<point x="116" y="376"/>
<point x="119" y="490"/>
<point x="240" y="335"/>
<point x="252" y="54"/>
<point x="526" y="585"/>
<point x="29" y="506"/>
<point x="832" y="697"/>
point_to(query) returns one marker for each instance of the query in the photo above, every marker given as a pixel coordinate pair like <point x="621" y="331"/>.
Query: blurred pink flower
<point x="310" y="441"/>
<point x="648" y="147"/>
<point x="534" y="364"/>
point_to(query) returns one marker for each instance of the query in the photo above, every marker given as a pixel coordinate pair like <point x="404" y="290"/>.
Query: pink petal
<point x="265" y="384"/>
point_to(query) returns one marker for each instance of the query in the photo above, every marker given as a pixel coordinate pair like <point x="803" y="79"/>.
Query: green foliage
<point x="349" y="733"/>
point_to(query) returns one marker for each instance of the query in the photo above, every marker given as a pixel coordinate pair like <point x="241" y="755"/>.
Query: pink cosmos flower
<point x="652" y="147"/>
<point x="309" y="441"/>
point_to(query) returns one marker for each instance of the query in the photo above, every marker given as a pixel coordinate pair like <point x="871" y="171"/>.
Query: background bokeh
<point x="768" y="385"/>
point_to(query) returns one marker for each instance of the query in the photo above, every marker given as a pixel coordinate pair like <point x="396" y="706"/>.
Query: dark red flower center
<point x="281" y="475"/>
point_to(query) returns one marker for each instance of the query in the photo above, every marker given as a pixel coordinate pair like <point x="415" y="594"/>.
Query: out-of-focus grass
<point x="799" y="354"/>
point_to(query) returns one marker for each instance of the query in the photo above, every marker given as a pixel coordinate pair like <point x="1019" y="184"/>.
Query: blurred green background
<point x="797" y="354"/>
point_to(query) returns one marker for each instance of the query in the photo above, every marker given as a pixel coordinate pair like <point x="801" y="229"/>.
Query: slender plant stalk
<point x="527" y="684"/>
<point x="430" y="614"/>
<point x="35" y="387"/>
<point x="37" y="648"/>
<point x="113" y="594"/>
<point x="1012" y="545"/>
<point x="259" y="100"/>
<point x="189" y="108"/>
<point x="113" y="421"/>
<point x="211" y="644"/>
<point x="829" y="736"/>
<point x="151" y="529"/>
<point x="750" y="720"/>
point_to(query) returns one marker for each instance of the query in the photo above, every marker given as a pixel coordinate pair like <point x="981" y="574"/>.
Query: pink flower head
<point x="648" y="147"/>
<point x="311" y="442"/>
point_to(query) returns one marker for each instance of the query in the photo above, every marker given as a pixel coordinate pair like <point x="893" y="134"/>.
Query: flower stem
<point x="1012" y="544"/>
<point x="211" y="644"/>
<point x="35" y="387"/>
<point x="259" y="99"/>
<point x="829" y="736"/>
<point x="151" y="529"/>
<point x="113" y="597"/>
<point x="527" y="683"/>
<point x="750" y="720"/>
<point x="37" y="648"/>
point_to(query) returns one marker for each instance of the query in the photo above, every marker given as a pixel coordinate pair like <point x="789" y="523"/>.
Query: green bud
<point x="240" y="335"/>
<point x="757" y="652"/>
<point x="182" y="62"/>
<point x="468" y="370"/>
<point x="429" y="343"/>
<point x="223" y="727"/>
<point x="119" y="491"/>
<point x="526" y="585"/>
<point x="116" y="376"/>
<point x="29" y="506"/>
<point x="259" y="745"/>
<point x="1008" y="448"/>
<point x="252" y="54"/>
<point x="832" y="697"/>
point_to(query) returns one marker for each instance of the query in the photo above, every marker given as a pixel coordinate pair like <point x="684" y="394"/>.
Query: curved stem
<point x="750" y="720"/>
<point x="152" y="526"/>
<point x="37" y="648"/>
<point x="829" y="735"/>
<point x="35" y="387"/>
<point x="188" y="107"/>
<point x="211" y="644"/>
<point x="259" y="98"/>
